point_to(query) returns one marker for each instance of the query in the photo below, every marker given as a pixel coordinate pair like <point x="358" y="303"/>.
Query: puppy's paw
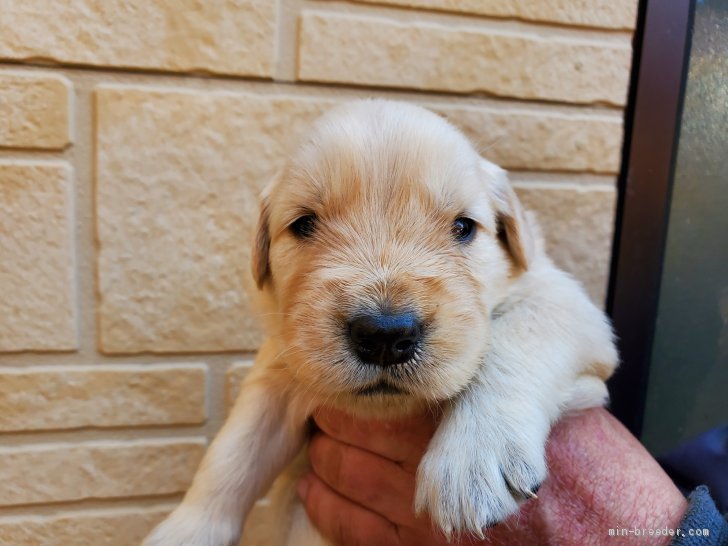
<point x="470" y="481"/>
<point x="190" y="527"/>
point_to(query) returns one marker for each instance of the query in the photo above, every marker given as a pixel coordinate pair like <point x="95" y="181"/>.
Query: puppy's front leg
<point x="261" y="435"/>
<point x="551" y="350"/>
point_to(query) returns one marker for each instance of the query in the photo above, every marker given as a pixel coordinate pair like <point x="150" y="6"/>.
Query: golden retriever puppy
<point x="398" y="273"/>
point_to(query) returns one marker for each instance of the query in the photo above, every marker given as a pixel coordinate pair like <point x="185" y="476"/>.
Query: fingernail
<point x="302" y="488"/>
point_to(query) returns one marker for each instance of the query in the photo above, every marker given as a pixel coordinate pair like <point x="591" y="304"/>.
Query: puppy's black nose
<point x="385" y="339"/>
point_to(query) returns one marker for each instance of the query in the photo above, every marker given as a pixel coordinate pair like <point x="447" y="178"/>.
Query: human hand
<point x="361" y="488"/>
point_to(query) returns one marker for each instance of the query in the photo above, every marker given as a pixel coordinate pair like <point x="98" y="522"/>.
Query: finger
<point x="370" y="480"/>
<point x="342" y="521"/>
<point x="402" y="440"/>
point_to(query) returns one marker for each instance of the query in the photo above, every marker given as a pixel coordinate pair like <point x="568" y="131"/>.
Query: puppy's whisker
<point x="290" y="351"/>
<point x="483" y="148"/>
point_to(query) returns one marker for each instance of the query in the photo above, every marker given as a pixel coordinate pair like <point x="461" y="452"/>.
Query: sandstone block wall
<point x="134" y="138"/>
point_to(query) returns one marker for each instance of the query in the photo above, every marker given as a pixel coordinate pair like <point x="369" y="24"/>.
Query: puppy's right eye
<point x="305" y="226"/>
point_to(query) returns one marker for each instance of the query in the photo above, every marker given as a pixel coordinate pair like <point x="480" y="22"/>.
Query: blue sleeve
<point x="702" y="524"/>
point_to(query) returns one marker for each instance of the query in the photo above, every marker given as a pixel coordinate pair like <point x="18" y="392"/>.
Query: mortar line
<point x="221" y="83"/>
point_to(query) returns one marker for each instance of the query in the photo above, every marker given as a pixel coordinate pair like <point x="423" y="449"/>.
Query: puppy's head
<point x="383" y="247"/>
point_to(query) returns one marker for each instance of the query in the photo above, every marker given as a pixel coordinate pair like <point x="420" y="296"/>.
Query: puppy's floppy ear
<point x="511" y="224"/>
<point x="261" y="244"/>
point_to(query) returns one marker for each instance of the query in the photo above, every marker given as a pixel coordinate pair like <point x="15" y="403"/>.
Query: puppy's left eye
<point x="304" y="226"/>
<point x="463" y="229"/>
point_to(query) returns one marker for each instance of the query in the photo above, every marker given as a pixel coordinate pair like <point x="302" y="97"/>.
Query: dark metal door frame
<point x="652" y="122"/>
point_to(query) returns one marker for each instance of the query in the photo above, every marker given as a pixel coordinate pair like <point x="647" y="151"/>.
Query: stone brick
<point x="43" y="398"/>
<point x="381" y="52"/>
<point x="219" y="36"/>
<point x="541" y="139"/>
<point x="107" y="527"/>
<point x="37" y="310"/>
<point x="260" y="528"/>
<point x="91" y="470"/>
<point x="35" y="111"/>
<point x="233" y="379"/>
<point x="179" y="176"/>
<point x="619" y="14"/>
<point x="578" y="224"/>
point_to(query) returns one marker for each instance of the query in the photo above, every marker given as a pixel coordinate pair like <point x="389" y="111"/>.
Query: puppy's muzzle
<point x="385" y="339"/>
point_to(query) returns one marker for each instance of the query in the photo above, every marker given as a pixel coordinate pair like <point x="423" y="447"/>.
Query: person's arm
<point x="602" y="483"/>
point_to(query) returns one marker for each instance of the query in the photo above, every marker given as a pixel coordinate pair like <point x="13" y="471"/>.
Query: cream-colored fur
<point x="511" y="341"/>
